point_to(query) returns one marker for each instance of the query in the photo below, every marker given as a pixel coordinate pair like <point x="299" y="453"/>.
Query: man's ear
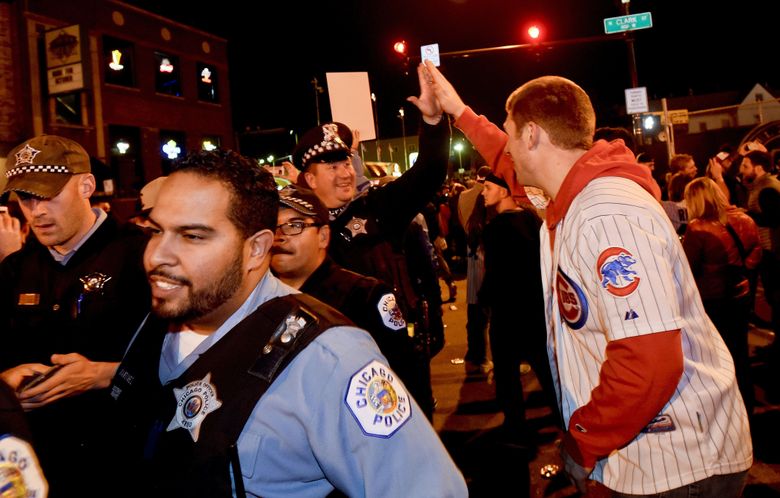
<point x="258" y="247"/>
<point x="87" y="185"/>
<point x="324" y="236"/>
<point x="311" y="179"/>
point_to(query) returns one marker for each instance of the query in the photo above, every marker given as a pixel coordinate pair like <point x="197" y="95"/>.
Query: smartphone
<point x="722" y="156"/>
<point x="30" y="381"/>
<point x="3" y="209"/>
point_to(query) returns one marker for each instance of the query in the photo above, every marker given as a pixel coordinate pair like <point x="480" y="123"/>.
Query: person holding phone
<point x="69" y="303"/>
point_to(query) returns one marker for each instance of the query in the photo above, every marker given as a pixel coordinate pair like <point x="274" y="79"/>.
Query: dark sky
<point x="277" y="47"/>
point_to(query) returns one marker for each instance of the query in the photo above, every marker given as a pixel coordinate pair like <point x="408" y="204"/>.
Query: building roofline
<point x="167" y="20"/>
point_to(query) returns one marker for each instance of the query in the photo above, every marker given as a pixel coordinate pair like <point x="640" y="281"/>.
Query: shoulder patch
<point x="614" y="265"/>
<point x="20" y="472"/>
<point x="390" y="312"/>
<point x="378" y="400"/>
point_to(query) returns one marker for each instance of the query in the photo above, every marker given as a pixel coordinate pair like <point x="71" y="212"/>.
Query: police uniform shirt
<point x="313" y="427"/>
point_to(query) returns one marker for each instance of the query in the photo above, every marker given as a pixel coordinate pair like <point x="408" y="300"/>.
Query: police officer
<point x="300" y="259"/>
<point x="368" y="229"/>
<point x="69" y="303"/>
<point x="239" y="385"/>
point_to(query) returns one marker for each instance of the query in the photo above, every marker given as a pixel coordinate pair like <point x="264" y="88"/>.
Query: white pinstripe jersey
<point x="618" y="270"/>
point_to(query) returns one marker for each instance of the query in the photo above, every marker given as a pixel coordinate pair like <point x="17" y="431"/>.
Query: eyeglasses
<point x="295" y="227"/>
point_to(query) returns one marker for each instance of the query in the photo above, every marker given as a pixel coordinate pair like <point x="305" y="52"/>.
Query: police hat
<point x="325" y="143"/>
<point x="41" y="166"/>
<point x="305" y="202"/>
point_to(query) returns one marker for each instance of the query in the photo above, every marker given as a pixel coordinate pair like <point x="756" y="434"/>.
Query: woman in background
<point x="722" y="246"/>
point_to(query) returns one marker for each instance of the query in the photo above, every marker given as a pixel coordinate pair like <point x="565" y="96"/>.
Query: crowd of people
<point x="239" y="340"/>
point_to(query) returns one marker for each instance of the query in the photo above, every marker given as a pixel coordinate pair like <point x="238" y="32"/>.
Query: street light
<point x="459" y="148"/>
<point x="403" y="133"/>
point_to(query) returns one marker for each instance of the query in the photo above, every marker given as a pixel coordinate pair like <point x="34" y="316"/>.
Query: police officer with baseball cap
<point x="368" y="228"/>
<point x="300" y="259"/>
<point x="69" y="303"/>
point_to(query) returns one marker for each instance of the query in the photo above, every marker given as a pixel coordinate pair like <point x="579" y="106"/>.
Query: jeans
<point x="718" y="486"/>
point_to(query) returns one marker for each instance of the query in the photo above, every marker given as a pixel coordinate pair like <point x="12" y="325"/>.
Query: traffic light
<point x="400" y="47"/>
<point x="534" y="33"/>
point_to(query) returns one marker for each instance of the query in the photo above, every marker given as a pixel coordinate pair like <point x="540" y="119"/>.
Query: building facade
<point x="135" y="89"/>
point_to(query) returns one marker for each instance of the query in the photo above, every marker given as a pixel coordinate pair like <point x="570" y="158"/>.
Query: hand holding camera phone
<point x="30" y="381"/>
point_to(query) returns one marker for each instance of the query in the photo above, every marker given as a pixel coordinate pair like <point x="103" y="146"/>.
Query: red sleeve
<point x="637" y="379"/>
<point x="490" y="140"/>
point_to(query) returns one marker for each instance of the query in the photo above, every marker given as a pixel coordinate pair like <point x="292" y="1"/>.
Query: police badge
<point x="193" y="402"/>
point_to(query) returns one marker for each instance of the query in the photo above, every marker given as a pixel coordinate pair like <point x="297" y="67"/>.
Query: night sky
<point x="694" y="47"/>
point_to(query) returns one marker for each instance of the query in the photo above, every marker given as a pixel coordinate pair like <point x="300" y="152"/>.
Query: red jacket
<point x="710" y="248"/>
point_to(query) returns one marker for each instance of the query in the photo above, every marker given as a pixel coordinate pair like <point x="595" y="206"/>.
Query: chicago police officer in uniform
<point x="300" y="259"/>
<point x="368" y="228"/>
<point x="68" y="305"/>
<point x="237" y="384"/>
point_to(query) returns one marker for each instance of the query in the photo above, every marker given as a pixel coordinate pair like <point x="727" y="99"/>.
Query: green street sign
<point x="630" y="22"/>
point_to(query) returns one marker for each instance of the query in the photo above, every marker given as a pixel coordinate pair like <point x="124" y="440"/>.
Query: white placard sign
<point x="636" y="100"/>
<point x="350" y="102"/>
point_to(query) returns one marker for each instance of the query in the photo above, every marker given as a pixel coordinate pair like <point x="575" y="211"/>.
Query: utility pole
<point x="403" y="133"/>
<point x="317" y="91"/>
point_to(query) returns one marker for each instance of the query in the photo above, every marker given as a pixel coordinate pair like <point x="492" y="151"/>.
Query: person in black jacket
<point x="512" y="291"/>
<point x="368" y="228"/>
<point x="300" y="259"/>
<point x="69" y="303"/>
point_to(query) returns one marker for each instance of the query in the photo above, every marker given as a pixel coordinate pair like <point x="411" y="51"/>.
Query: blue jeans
<point x="719" y="486"/>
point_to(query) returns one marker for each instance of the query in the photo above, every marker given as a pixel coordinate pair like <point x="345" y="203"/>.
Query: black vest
<point x="241" y="366"/>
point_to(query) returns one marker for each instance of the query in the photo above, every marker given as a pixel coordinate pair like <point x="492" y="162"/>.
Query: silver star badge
<point x="357" y="226"/>
<point x="26" y="155"/>
<point x="193" y="402"/>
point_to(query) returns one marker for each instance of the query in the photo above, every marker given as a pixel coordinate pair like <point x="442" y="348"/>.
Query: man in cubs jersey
<point x="645" y="383"/>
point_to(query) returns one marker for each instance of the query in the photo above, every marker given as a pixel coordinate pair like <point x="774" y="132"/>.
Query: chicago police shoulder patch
<point x="378" y="400"/>
<point x="390" y="312"/>
<point x="20" y="473"/>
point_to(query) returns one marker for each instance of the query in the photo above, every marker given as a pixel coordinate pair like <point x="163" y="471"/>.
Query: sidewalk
<point x="467" y="419"/>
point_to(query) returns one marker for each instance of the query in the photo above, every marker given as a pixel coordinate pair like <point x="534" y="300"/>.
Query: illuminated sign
<point x="171" y="149"/>
<point x="205" y="75"/>
<point x="166" y="66"/>
<point x="116" y="57"/>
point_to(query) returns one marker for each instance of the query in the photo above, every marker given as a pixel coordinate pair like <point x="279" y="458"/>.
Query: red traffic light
<point x="400" y="47"/>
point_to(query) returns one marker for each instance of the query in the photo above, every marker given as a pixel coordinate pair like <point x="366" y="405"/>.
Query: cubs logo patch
<point x="20" y="473"/>
<point x="378" y="400"/>
<point x="617" y="277"/>
<point x="390" y="312"/>
<point x="193" y="402"/>
<point x="572" y="303"/>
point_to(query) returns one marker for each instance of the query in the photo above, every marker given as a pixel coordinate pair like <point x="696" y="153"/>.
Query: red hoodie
<point x="603" y="159"/>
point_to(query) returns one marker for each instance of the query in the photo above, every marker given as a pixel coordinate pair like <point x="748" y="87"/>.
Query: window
<point x="127" y="170"/>
<point x="167" y="79"/>
<point x="171" y="148"/>
<point x="210" y="142"/>
<point x="207" y="83"/>
<point x="67" y="108"/>
<point x="118" y="58"/>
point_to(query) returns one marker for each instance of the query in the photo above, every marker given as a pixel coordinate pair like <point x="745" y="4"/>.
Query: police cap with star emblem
<point x="41" y="166"/>
<point x="305" y="202"/>
<point x="328" y="142"/>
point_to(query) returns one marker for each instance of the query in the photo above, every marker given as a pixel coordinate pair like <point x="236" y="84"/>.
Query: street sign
<point x="630" y="22"/>
<point x="678" y="116"/>
<point x="636" y="100"/>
